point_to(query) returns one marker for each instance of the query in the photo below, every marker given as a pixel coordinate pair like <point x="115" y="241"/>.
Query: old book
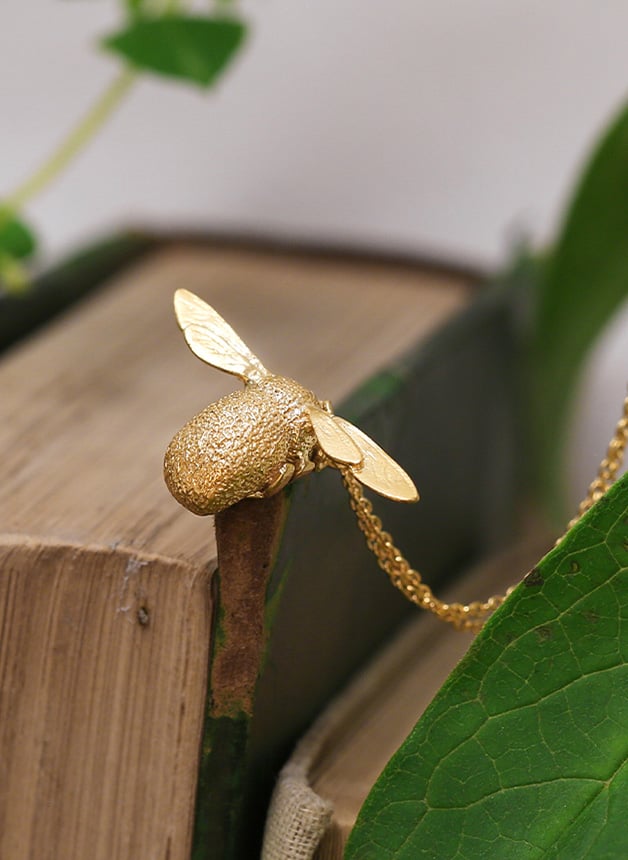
<point x="322" y="787"/>
<point x="62" y="286"/>
<point x="125" y="702"/>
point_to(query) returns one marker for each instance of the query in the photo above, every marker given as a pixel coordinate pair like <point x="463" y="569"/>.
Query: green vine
<point x="75" y="141"/>
<point x="157" y="38"/>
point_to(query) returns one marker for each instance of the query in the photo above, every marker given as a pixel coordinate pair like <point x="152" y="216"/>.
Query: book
<point x="136" y="720"/>
<point x="325" y="782"/>
<point x="64" y="285"/>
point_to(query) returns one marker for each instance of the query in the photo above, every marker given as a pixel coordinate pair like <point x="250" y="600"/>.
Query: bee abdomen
<point x="232" y="449"/>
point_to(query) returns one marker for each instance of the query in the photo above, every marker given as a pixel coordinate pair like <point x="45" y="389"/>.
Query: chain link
<point x="607" y="472"/>
<point x="462" y="616"/>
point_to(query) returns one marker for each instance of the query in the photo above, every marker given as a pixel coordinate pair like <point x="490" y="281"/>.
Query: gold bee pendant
<point x="253" y="442"/>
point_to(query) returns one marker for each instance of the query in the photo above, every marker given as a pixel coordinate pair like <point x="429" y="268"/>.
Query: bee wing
<point x="378" y="470"/>
<point x="213" y="340"/>
<point x="332" y="438"/>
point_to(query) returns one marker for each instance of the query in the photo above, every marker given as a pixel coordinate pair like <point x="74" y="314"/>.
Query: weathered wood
<point x="248" y="536"/>
<point x="103" y="662"/>
<point x="52" y="292"/>
<point x="88" y="408"/>
<point x="106" y="633"/>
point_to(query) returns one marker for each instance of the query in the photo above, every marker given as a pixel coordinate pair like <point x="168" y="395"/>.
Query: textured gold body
<point x="254" y="442"/>
<point x="249" y="443"/>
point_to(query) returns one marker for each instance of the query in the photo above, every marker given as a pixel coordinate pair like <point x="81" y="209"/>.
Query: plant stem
<point x="93" y="120"/>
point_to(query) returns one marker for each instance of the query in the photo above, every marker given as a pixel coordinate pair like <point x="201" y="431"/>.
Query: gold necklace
<point x="466" y="616"/>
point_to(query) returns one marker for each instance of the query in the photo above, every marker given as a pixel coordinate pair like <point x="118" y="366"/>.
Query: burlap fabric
<point x="297" y="817"/>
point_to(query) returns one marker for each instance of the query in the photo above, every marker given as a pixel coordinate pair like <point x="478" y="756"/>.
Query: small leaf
<point x="191" y="48"/>
<point x="524" y="751"/>
<point x="16" y="239"/>
<point x="585" y="281"/>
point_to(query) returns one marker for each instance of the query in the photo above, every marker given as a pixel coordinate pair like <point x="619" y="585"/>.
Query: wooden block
<point x="103" y="661"/>
<point x="108" y="630"/>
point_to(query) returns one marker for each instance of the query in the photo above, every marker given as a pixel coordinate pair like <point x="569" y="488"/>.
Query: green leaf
<point x="191" y="48"/>
<point x="16" y="239"/>
<point x="524" y="751"/>
<point x="133" y="7"/>
<point x="585" y="282"/>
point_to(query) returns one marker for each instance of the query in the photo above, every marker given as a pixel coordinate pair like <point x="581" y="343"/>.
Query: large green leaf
<point x="523" y="753"/>
<point x="187" y="47"/>
<point x="585" y="281"/>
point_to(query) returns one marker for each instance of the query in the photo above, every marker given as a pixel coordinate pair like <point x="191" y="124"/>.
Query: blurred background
<point x="443" y="129"/>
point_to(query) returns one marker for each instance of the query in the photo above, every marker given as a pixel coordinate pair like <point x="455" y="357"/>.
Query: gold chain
<point x="470" y="616"/>
<point x="607" y="472"/>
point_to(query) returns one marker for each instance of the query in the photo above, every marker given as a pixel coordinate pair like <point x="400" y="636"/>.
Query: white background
<point x="419" y="125"/>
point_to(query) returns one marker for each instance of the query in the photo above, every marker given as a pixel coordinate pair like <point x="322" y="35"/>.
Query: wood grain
<point x="103" y="661"/>
<point x="105" y="604"/>
<point x="88" y="407"/>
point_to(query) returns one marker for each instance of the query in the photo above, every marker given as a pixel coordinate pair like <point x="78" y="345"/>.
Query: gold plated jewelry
<point x="469" y="616"/>
<point x="253" y="442"/>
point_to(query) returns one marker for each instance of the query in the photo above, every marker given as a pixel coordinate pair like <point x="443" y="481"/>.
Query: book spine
<point x="247" y="537"/>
